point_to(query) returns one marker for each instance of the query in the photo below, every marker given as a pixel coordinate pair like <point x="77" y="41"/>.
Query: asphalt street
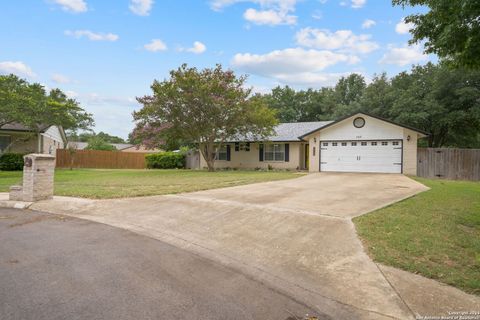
<point x="56" y="267"/>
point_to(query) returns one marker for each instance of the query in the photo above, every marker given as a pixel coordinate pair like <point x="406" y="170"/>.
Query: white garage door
<point x="361" y="156"/>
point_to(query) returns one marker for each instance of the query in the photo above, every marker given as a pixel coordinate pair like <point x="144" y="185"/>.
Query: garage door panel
<point x="352" y="156"/>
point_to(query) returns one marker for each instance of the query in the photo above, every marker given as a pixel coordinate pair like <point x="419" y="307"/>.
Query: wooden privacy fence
<point x="449" y="163"/>
<point x="100" y="159"/>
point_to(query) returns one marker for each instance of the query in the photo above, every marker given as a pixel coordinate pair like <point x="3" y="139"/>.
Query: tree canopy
<point x="208" y="106"/>
<point x="434" y="98"/>
<point x="86" y="136"/>
<point x="98" y="143"/>
<point x="30" y="105"/>
<point x="450" y="29"/>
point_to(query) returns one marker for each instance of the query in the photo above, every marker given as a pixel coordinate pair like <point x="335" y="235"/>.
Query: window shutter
<point x="228" y="152"/>
<point x="260" y="152"/>
<point x="287" y="152"/>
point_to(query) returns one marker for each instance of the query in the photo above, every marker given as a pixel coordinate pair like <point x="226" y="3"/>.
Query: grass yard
<point x="102" y="184"/>
<point x="436" y="233"/>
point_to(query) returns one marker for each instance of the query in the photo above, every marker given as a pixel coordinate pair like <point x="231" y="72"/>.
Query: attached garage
<point x="361" y="156"/>
<point x="363" y="143"/>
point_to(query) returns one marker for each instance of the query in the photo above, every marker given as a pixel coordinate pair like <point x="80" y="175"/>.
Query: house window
<point x="275" y="152"/>
<point x="344" y="144"/>
<point x="5" y="141"/>
<point x="384" y="143"/>
<point x="374" y="143"/>
<point x="364" y="143"/>
<point x="325" y="144"/>
<point x="354" y="144"/>
<point x="244" y="146"/>
<point x="221" y="153"/>
<point x="334" y="144"/>
<point x="395" y="143"/>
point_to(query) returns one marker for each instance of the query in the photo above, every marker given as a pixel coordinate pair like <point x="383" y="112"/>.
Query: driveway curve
<point x="296" y="235"/>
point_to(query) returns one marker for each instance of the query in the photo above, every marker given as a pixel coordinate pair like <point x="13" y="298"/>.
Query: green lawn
<point x="97" y="183"/>
<point x="435" y="233"/>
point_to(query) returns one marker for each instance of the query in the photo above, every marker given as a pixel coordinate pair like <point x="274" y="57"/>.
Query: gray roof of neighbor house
<point x="82" y="145"/>
<point x="20" y="127"/>
<point x="287" y="131"/>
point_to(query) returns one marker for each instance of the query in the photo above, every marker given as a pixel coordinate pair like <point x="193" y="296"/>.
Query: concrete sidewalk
<point x="296" y="235"/>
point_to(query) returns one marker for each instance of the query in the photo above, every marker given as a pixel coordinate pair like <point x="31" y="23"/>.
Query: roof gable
<point x="365" y="114"/>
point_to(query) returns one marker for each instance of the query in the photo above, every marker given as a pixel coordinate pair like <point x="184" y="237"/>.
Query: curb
<point x="15" y="204"/>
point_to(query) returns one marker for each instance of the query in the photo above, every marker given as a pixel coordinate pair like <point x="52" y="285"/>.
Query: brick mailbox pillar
<point x="38" y="172"/>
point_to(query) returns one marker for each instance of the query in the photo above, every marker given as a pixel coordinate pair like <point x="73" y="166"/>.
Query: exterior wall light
<point x="408" y="138"/>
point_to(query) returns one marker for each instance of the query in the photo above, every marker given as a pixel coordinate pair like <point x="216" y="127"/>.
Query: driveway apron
<point x="295" y="235"/>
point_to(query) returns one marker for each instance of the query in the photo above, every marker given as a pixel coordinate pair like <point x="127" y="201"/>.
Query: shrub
<point x="166" y="160"/>
<point x="11" y="162"/>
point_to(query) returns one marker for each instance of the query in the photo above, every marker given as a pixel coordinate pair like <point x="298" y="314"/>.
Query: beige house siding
<point x="50" y="146"/>
<point x="250" y="159"/>
<point x="410" y="152"/>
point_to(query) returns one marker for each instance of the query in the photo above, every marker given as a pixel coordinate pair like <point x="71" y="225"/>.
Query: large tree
<point x="450" y="29"/>
<point x="30" y="105"/>
<point x="441" y="101"/>
<point x="209" y="107"/>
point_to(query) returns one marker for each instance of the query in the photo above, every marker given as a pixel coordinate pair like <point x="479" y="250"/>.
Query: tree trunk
<point x="208" y="152"/>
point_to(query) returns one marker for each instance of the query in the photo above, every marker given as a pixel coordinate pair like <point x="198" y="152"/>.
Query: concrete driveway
<point x="296" y="235"/>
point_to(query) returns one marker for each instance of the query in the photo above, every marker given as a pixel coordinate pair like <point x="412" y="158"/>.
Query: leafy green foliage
<point x="207" y="107"/>
<point x="166" y="160"/>
<point x="11" y="162"/>
<point x="86" y="136"/>
<point x="97" y="143"/>
<point x="434" y="98"/>
<point x="30" y="105"/>
<point x="450" y="29"/>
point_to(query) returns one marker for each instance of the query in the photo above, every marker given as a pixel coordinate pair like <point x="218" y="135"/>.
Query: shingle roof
<point x="288" y="131"/>
<point x="20" y="127"/>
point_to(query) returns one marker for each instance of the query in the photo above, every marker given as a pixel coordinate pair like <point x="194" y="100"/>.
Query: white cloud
<point x="317" y="15"/>
<point x="403" y="56"/>
<point x="293" y="65"/>
<point x="76" y="6"/>
<point x="93" y="36"/>
<point x="141" y="7"/>
<point x="403" y="28"/>
<point x="16" y="67"/>
<point x="269" y="17"/>
<point x="197" y="48"/>
<point x="368" y="23"/>
<point x="155" y="45"/>
<point x="343" y="40"/>
<point x="71" y="94"/>
<point x="60" y="78"/>
<point x="272" y="12"/>
<point x="356" y="4"/>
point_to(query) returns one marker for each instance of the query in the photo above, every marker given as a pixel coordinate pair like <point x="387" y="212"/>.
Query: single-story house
<point x="16" y="138"/>
<point x="357" y="143"/>
<point x="123" y="147"/>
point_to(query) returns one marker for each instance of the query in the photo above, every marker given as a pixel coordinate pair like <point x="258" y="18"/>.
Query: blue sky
<point x="106" y="53"/>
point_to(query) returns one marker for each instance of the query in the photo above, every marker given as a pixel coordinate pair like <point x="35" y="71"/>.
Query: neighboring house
<point x="16" y="138"/>
<point x="357" y="143"/>
<point x="123" y="147"/>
